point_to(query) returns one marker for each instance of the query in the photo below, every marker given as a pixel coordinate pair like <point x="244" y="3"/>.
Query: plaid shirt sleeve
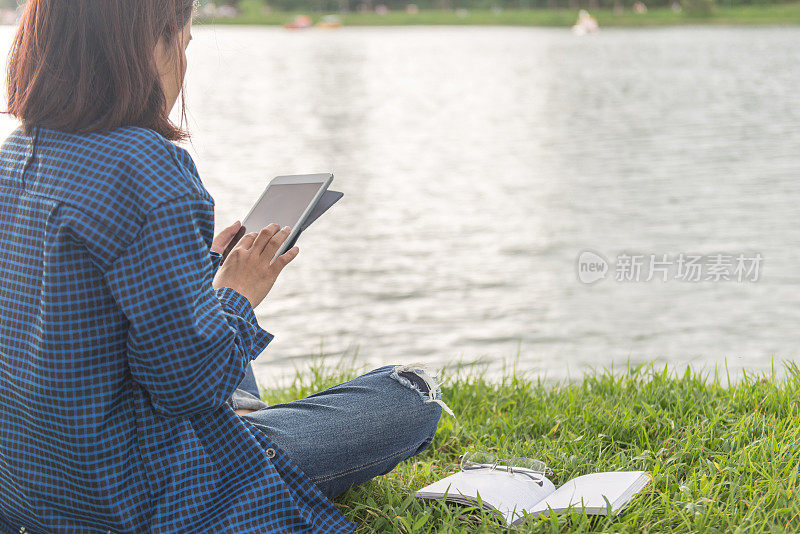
<point x="216" y="261"/>
<point x="188" y="344"/>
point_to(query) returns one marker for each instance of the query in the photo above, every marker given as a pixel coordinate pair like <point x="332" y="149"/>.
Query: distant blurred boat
<point x="585" y="24"/>
<point x="330" y="22"/>
<point x="300" y="22"/>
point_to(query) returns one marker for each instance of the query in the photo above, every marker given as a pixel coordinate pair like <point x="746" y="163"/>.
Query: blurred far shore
<point x="586" y="15"/>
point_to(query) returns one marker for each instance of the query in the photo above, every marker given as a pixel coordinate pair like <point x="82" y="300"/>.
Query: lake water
<point x="478" y="163"/>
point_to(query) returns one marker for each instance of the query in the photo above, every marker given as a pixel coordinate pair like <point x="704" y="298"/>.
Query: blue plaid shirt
<point x="117" y="356"/>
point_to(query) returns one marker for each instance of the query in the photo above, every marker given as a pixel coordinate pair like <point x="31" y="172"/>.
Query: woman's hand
<point x="221" y="242"/>
<point x="249" y="268"/>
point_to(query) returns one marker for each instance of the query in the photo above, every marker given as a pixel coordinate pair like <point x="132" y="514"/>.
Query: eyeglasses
<point x="534" y="469"/>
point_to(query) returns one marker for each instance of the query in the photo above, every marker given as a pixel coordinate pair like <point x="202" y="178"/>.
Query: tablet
<point x="288" y="201"/>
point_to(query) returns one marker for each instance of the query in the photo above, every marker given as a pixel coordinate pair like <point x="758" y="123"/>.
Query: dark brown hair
<point x="88" y="65"/>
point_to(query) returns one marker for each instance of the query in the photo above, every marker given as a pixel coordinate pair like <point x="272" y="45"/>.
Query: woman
<point x="122" y="340"/>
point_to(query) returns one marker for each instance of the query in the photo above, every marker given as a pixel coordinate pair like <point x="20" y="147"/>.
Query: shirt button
<point x="270" y="453"/>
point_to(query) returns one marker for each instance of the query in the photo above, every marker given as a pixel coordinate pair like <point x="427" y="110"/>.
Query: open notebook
<point x="511" y="494"/>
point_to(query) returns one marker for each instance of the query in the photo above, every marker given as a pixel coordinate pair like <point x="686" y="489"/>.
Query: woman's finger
<point x="247" y="240"/>
<point x="230" y="231"/>
<point x="223" y="239"/>
<point x="264" y="236"/>
<point x="275" y="243"/>
<point x="285" y="259"/>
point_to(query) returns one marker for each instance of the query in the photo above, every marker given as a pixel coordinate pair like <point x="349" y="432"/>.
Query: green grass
<point x="724" y="456"/>
<point x="776" y="14"/>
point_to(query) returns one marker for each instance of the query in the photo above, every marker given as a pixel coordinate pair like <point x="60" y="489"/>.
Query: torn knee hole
<point x="416" y="377"/>
<point x="417" y="381"/>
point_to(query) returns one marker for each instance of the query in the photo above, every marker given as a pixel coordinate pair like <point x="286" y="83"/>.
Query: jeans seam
<point x="326" y="478"/>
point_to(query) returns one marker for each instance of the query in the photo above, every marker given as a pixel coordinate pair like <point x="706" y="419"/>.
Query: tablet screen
<point x="283" y="204"/>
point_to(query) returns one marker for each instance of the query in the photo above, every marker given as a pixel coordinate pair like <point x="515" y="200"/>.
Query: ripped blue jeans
<point x="353" y="432"/>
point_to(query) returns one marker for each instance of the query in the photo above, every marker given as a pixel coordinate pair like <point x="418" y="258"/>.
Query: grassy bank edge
<point x="779" y="14"/>
<point x="724" y="454"/>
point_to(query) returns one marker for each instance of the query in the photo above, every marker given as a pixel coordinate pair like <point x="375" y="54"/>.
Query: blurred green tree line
<point x="352" y="5"/>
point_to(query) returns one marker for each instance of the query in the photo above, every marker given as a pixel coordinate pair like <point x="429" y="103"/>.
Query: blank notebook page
<point x="502" y="491"/>
<point x="589" y="490"/>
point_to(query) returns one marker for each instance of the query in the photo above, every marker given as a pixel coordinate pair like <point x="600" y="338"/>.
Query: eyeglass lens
<point x="488" y="460"/>
<point x="478" y="460"/>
